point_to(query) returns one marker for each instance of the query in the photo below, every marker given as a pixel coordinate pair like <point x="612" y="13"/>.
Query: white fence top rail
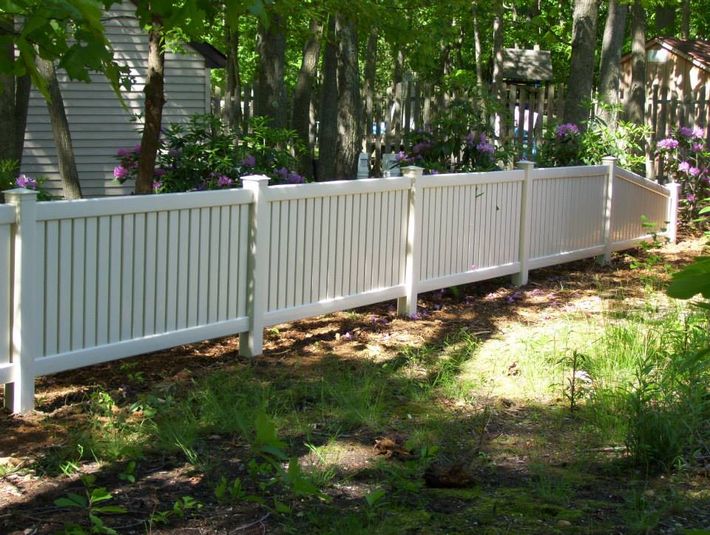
<point x="288" y="192"/>
<point x="470" y="179"/>
<point x="7" y="215"/>
<point x="569" y="172"/>
<point x="641" y="181"/>
<point x="141" y="204"/>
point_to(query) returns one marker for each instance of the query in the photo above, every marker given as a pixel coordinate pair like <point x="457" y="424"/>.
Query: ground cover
<point x="458" y="421"/>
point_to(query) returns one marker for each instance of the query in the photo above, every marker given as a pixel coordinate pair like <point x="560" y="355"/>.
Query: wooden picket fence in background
<point x="524" y="112"/>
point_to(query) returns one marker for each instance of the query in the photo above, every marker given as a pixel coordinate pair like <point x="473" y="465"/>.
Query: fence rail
<point x="95" y="280"/>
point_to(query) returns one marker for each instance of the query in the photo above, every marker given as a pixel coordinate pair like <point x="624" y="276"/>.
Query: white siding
<point x="99" y="124"/>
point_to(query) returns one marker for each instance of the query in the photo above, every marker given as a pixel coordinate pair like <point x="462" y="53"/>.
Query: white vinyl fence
<point x="95" y="280"/>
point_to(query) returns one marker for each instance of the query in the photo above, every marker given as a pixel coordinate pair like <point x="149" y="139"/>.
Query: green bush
<point x="205" y="154"/>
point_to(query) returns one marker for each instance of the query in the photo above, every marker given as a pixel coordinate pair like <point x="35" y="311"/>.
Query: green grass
<point x="499" y="406"/>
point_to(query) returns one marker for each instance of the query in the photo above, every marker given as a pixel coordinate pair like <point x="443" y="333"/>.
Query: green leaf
<point x="110" y="509"/>
<point x="692" y="280"/>
<point x="374" y="497"/>
<point x="71" y="500"/>
<point x="100" y="495"/>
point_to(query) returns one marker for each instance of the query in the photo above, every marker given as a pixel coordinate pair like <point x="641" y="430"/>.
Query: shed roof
<point x="214" y="59"/>
<point x="522" y="65"/>
<point x="697" y="51"/>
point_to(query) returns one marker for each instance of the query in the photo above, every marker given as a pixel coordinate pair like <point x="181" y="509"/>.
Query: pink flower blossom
<point x="156" y="185"/>
<point x="224" y="181"/>
<point x="668" y="144"/>
<point x="120" y="173"/>
<point x="697" y="147"/>
<point x="24" y="181"/>
<point x="566" y="130"/>
<point x="249" y="161"/>
<point x="683" y="167"/>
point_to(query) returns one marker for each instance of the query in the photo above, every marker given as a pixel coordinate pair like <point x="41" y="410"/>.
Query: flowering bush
<point x="205" y="154"/>
<point x="560" y="146"/>
<point x="685" y="159"/>
<point x="35" y="184"/>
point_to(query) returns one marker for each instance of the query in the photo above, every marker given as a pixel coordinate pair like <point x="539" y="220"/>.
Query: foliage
<point x="205" y="154"/>
<point x="89" y="503"/>
<point x="459" y="141"/>
<point x="686" y="160"/>
<point x="625" y="141"/>
<point x="67" y="31"/>
<point x="561" y="146"/>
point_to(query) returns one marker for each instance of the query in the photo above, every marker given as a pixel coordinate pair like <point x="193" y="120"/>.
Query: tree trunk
<point x="349" y="103"/>
<point x="270" y="98"/>
<point x="396" y="92"/>
<point x="300" y="121"/>
<point x="477" y="50"/>
<point x="581" y="76"/>
<point x="328" y="131"/>
<point x="497" y="76"/>
<point x="685" y="20"/>
<point x="232" y="100"/>
<point x="154" y="102"/>
<point x="368" y="90"/>
<point x="636" y="102"/>
<point x="14" y="101"/>
<point x="609" y="68"/>
<point x="60" y="131"/>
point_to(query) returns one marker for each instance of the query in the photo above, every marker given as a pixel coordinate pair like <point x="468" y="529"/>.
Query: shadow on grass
<point x="333" y="385"/>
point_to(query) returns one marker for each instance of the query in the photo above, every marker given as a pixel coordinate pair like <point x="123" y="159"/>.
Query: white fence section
<point x="7" y="218"/>
<point x="95" y="280"/>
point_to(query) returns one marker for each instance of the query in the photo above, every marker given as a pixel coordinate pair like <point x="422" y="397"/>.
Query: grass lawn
<point x="460" y="421"/>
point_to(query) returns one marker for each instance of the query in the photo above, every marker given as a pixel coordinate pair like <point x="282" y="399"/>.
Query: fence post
<point x="407" y="305"/>
<point x="521" y="278"/>
<point x="20" y="394"/>
<point x="251" y="343"/>
<point x="672" y="213"/>
<point x="610" y="162"/>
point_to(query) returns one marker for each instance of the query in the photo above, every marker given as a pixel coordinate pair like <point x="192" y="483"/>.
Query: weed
<point x="578" y="381"/>
<point x="89" y="504"/>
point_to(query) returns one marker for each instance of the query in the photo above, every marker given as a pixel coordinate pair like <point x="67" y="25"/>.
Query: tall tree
<point x="636" y="100"/>
<point x="14" y="99"/>
<point x="581" y="77"/>
<point x="270" y="99"/>
<point x="497" y="53"/>
<point x="60" y="131"/>
<point x="153" y="107"/>
<point x="301" y="118"/>
<point x="349" y="103"/>
<point x="477" y="49"/>
<point x="233" y="101"/>
<point x="609" y="68"/>
<point x="328" y="130"/>
<point x="685" y="19"/>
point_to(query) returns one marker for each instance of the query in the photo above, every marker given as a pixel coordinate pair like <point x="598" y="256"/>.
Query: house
<point x="99" y="124"/>
<point x="677" y="83"/>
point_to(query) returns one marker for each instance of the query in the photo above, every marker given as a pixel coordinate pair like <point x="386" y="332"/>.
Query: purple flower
<point x="691" y="198"/>
<point x="282" y="172"/>
<point x="566" y="130"/>
<point x="120" y="173"/>
<point x="156" y="185"/>
<point x="295" y="178"/>
<point x="683" y="167"/>
<point x="137" y="148"/>
<point x="697" y="147"/>
<point x="698" y="132"/>
<point x="694" y="171"/>
<point x="249" y="161"/>
<point x="485" y="148"/>
<point x="159" y="171"/>
<point x="224" y="181"/>
<point x="24" y="181"/>
<point x="401" y="156"/>
<point x="685" y="131"/>
<point x="668" y="144"/>
<point x="123" y="152"/>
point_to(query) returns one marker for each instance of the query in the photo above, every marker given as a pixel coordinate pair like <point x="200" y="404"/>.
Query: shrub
<point x="460" y="141"/>
<point x="205" y="154"/>
<point x="685" y="158"/>
<point x="561" y="146"/>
